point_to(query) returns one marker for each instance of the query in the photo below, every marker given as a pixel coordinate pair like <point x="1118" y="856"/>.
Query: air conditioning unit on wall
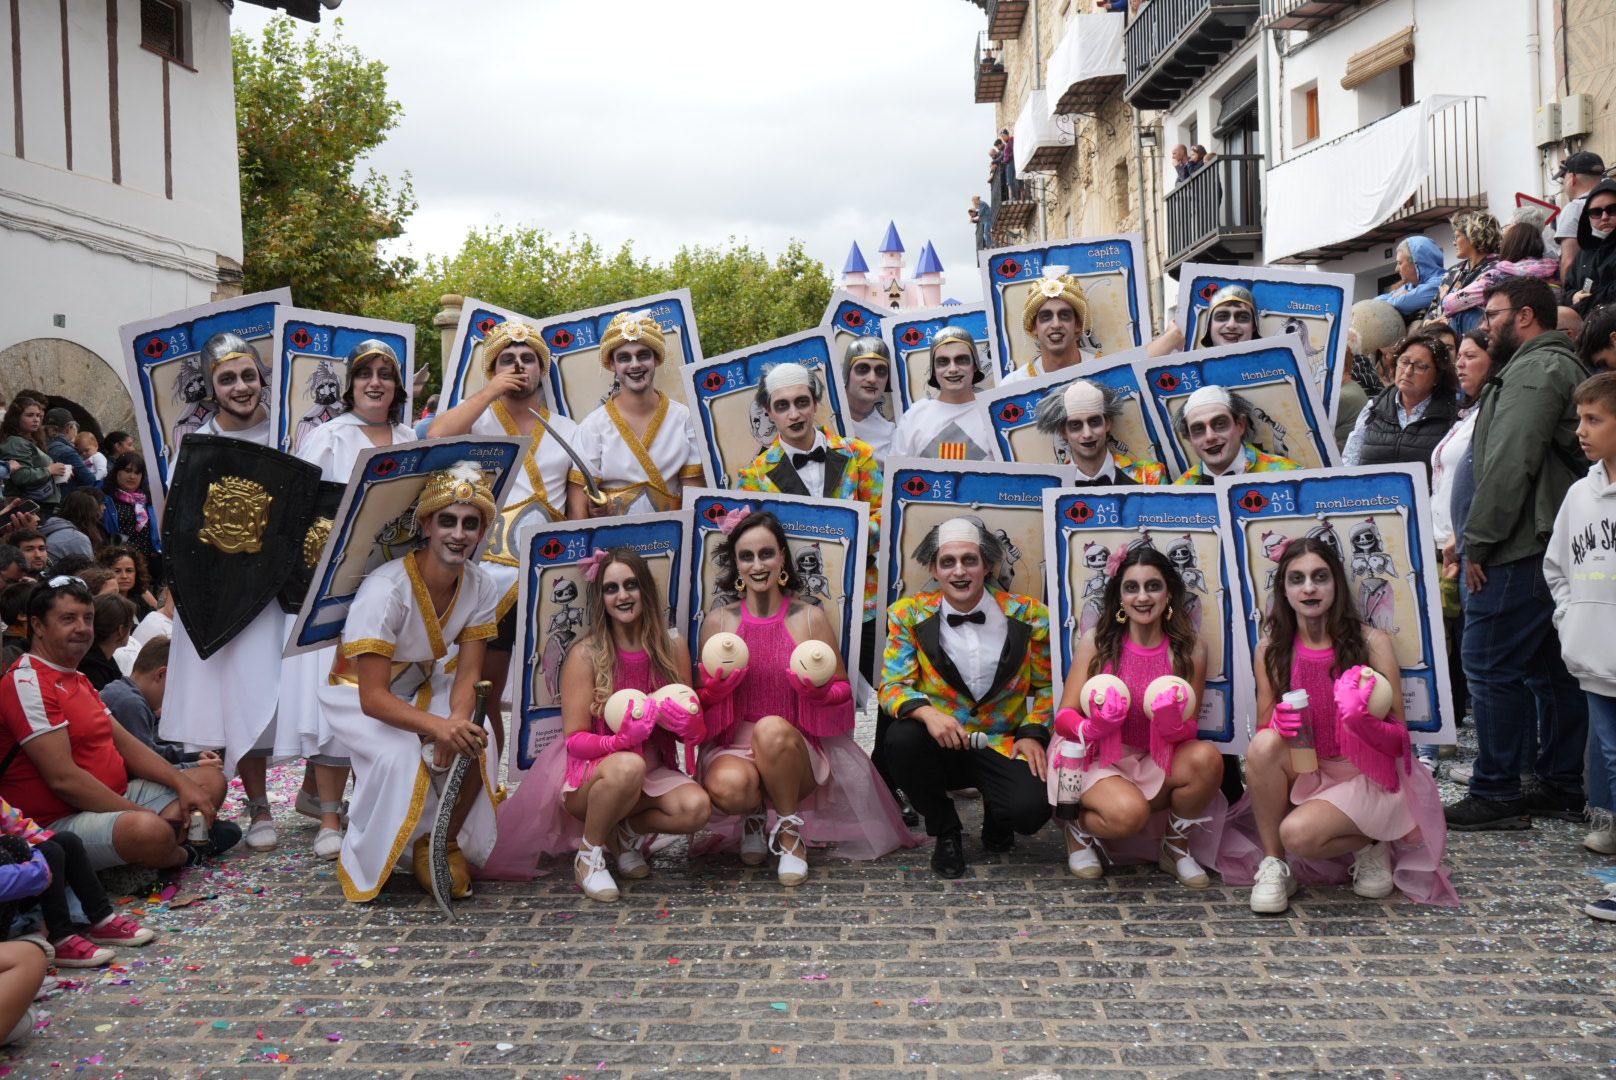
<point x="1546" y="125"/>
<point x="1575" y="118"/>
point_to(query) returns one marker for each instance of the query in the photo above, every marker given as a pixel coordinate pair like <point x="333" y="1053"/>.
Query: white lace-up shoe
<point x="755" y="840"/>
<point x="630" y="862"/>
<point x="1175" y="853"/>
<point x="593" y="877"/>
<point x="1084" y="860"/>
<point x="1272" y="891"/>
<point x="793" y="868"/>
<point x="1372" y="871"/>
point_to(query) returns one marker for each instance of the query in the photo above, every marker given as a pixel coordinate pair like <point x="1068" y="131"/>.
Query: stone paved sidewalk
<point x="880" y="970"/>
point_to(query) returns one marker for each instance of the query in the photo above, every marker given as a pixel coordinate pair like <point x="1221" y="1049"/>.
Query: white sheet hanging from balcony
<point x="1036" y="129"/>
<point x="1346" y="187"/>
<point x="1091" y="48"/>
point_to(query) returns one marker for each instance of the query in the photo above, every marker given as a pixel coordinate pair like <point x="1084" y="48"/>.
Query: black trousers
<point x="70" y="869"/>
<point x="1012" y="797"/>
<point x="1233" y="786"/>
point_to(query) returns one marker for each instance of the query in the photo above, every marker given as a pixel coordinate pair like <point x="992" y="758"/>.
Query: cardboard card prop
<point x="1013" y="412"/>
<point x="1378" y="517"/>
<point x="551" y="613"/>
<point x="577" y="382"/>
<point x="732" y="428"/>
<point x="922" y="494"/>
<point x="376" y="521"/>
<point x="162" y="357"/>
<point x="1271" y="374"/>
<point x="311" y="368"/>
<point x="1315" y="306"/>
<point x="909" y="335"/>
<point x="846" y="318"/>
<point x="1111" y="270"/>
<point x="829" y="542"/>
<point x="1085" y="528"/>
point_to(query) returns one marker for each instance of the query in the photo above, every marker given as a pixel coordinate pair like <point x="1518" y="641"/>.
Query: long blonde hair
<point x="650" y="627"/>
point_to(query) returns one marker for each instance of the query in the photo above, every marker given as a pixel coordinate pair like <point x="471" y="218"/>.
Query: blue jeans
<point x="1601" y="752"/>
<point x="1519" y="686"/>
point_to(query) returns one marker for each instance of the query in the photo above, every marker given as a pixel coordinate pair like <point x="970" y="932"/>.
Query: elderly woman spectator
<point x="1409" y="417"/>
<point x="1520" y="254"/>
<point x="1476" y="239"/>
<point x="1419" y="264"/>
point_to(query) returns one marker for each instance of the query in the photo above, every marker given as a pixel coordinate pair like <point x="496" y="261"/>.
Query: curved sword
<point x="591" y="486"/>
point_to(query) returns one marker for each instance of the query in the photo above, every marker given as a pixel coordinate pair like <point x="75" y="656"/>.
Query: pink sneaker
<point x="120" y="930"/>
<point x="74" y="952"/>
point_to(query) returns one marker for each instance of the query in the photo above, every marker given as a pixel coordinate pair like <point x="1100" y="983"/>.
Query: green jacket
<point x="1525" y="451"/>
<point x="35" y="470"/>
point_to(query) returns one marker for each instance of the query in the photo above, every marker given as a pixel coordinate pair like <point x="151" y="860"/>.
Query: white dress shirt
<point x="812" y="474"/>
<point x="1108" y="471"/>
<point x="974" y="649"/>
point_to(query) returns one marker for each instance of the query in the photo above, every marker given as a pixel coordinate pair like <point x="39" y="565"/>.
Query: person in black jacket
<point x="1593" y="276"/>
<point x="1408" y="418"/>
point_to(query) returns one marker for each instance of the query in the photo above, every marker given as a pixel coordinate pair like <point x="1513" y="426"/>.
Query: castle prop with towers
<point x="887" y="287"/>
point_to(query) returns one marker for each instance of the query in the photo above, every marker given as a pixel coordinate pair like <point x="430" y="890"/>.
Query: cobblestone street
<point x="881" y="970"/>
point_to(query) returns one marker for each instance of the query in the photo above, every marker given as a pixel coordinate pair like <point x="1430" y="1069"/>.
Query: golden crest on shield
<point x="235" y="515"/>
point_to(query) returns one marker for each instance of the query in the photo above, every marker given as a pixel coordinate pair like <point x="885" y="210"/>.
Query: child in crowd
<point x="1580" y="567"/>
<point x="89" y="448"/>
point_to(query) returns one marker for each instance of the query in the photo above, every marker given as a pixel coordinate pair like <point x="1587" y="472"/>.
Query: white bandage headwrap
<point x="1082" y="398"/>
<point x="1208" y="395"/>
<point x="783" y="375"/>
<point x="958" y="529"/>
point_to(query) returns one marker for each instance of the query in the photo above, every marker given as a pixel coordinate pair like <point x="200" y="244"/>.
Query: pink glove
<point x="1167" y="712"/>
<point x="1106" y="716"/>
<point x="718" y="685"/>
<point x="1069" y="725"/>
<point x="834" y="692"/>
<point x="674" y="717"/>
<point x="1286" y="720"/>
<point x="638" y="724"/>
<point x="1352" y="695"/>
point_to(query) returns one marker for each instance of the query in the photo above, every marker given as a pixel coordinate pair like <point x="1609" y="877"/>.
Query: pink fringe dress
<point x="1384" y="796"/>
<point x="1139" y="755"/>
<point x="533" y="823"/>
<point x="851" y="807"/>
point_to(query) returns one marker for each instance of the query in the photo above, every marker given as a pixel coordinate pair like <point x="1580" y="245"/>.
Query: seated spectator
<point x="35" y="551"/>
<point x="1596" y="345"/>
<point x="129" y="518"/>
<point x="117" y="444"/>
<point x="1594" y="278"/>
<point x="60" y="431"/>
<point x="1419" y="265"/>
<point x="89" y="448"/>
<point x="1408" y="418"/>
<point x="1520" y="254"/>
<point x="136" y="702"/>
<point x="32" y="472"/>
<point x="159" y="624"/>
<point x="76" y="528"/>
<point x="14" y="613"/>
<point x="13" y="568"/>
<point x="1476" y="239"/>
<point x="79" y="771"/>
<point x="134" y="581"/>
<point x="114" y="621"/>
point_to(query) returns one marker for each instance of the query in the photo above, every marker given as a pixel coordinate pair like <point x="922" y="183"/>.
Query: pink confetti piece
<point x="817" y="977"/>
<point x="335" y="1036"/>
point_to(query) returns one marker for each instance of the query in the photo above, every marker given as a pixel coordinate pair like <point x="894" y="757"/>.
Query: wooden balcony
<point x="990" y="75"/>
<point x="1088" y="65"/>
<point x="1303" y="14"/>
<point x="1005" y="18"/>
<point x="1172" y="43"/>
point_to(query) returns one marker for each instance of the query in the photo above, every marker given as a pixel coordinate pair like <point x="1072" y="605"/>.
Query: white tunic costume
<point x="647" y="475"/>
<point x="935" y="429"/>
<point x="876" y="430"/>
<point x="335" y="448"/>
<point x="539" y="487"/>
<point x="228" y="700"/>
<point x="395" y="794"/>
<point x="1035" y="367"/>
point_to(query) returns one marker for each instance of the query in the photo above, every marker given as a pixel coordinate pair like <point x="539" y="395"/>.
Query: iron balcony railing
<point x="1303" y="14"/>
<point x="1220" y="202"/>
<point x="988" y="72"/>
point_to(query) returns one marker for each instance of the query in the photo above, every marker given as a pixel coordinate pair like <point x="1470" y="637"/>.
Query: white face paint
<point x="962" y="572"/>
<point x="452" y="534"/>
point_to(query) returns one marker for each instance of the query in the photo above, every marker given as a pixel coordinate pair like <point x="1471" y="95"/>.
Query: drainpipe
<point x="1265" y="124"/>
<point x="1534" y="65"/>
<point x="1144" y="223"/>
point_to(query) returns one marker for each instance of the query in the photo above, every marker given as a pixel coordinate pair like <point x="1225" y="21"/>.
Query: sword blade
<point x="591" y="487"/>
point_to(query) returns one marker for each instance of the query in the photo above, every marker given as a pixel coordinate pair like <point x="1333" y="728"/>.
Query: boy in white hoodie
<point x="1580" y="567"/>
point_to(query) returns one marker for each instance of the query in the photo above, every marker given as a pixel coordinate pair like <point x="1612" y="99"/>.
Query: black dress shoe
<point x="911" y="817"/>
<point x="948" y="857"/>
<point x="996" y="840"/>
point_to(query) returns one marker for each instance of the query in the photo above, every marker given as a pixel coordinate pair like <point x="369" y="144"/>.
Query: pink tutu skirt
<point x="740" y="745"/>
<point x="1378" y="814"/>
<point x="1135" y="766"/>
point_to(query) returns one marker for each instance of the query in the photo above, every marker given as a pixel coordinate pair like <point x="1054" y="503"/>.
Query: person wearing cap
<point x="231" y="699"/>
<point x="61" y="428"/>
<point x="1082" y="415"/>
<point x="516" y="363"/>
<point x="402" y="698"/>
<point x="867" y="377"/>
<point x="1056" y="317"/>
<point x="965" y="694"/>
<point x="640" y="444"/>
<point x="950" y="425"/>
<point x="1215" y="423"/>
<point x="372" y="414"/>
<point x="1578" y="174"/>
<point x="806" y="459"/>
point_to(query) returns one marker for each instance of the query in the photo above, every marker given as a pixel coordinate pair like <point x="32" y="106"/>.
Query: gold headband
<point x="460" y="483"/>
<point x="637" y="327"/>
<point x="510" y="333"/>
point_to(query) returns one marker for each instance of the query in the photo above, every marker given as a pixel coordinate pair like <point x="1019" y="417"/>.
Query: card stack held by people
<point x="605" y="540"/>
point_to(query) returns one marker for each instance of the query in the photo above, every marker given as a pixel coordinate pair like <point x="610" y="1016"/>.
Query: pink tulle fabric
<point x="853" y="808"/>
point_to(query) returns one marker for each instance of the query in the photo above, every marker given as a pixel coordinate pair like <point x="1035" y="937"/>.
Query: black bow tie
<point x="980" y="618"/>
<point x="816" y="454"/>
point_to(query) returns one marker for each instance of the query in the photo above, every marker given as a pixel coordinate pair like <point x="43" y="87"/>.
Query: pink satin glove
<point x="638" y="723"/>
<point x="834" y="692"/>
<point x="1286" y="720"/>
<point x="1167" y="711"/>
<point x="1352" y="695"/>
<point x="683" y="723"/>
<point x="1069" y="725"/>
<point x="718" y="685"/>
<point x="1106" y="716"/>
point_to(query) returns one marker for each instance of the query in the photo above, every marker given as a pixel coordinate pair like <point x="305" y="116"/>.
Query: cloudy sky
<point x="686" y="123"/>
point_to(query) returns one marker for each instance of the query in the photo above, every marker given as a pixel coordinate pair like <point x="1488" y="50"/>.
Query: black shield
<point x="314" y="542"/>
<point x="236" y="519"/>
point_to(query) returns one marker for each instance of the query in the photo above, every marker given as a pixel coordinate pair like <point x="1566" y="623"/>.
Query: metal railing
<point x="1302" y="14"/>
<point x="1161" y="25"/>
<point x="1222" y="199"/>
<point x="988" y="72"/>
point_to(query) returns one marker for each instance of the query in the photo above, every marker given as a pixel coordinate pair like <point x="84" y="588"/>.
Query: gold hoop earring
<point x="785" y="578"/>
<point x="1122" y="616"/>
<point x="1169" y="617"/>
<point x="740" y="584"/>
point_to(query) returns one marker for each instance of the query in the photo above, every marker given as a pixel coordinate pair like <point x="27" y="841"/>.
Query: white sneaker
<point x="328" y="843"/>
<point x="1175" y="853"/>
<point x="1602" y="836"/>
<point x="22" y="1030"/>
<point x="1372" y="871"/>
<point x="630" y="862"/>
<point x="1272" y="891"/>
<point x="593" y="877"/>
<point x="793" y="868"/>
<point x="1084" y="860"/>
<point x="260" y="835"/>
<point x="755" y="840"/>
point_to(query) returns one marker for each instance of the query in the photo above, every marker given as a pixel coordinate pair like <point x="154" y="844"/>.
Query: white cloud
<point x="671" y="124"/>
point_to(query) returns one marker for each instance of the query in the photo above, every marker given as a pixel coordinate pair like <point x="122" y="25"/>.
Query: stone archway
<point x="71" y="376"/>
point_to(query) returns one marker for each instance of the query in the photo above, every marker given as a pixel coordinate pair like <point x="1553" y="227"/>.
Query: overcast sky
<point x="667" y="124"/>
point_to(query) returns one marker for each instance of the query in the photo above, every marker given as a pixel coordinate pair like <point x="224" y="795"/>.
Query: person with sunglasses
<point x="1593" y="276"/>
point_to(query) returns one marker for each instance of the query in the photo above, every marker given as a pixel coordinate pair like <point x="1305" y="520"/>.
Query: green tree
<point x="307" y="109"/>
<point x="740" y="296"/>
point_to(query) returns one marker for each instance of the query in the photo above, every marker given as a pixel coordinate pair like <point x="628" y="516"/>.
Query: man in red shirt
<point x="71" y="766"/>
